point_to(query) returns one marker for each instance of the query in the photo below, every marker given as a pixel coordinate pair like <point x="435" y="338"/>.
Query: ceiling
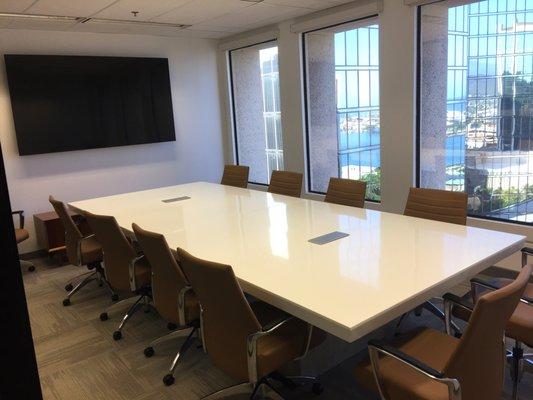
<point x="203" y="18"/>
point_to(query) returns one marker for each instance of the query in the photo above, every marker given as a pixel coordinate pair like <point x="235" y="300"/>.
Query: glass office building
<point x="489" y="128"/>
<point x="271" y="109"/>
<point x="358" y="123"/>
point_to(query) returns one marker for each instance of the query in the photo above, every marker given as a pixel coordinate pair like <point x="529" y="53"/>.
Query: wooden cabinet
<point x="51" y="234"/>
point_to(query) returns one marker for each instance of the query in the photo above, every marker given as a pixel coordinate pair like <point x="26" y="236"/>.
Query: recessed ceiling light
<point x="132" y="22"/>
<point x="41" y="17"/>
<point x="84" y="20"/>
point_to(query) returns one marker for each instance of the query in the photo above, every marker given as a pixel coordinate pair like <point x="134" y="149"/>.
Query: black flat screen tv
<point x="64" y="103"/>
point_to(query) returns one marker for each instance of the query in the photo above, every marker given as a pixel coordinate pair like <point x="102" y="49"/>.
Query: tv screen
<point x="64" y="103"/>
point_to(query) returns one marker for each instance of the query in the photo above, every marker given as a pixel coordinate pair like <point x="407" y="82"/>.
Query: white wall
<point x="398" y="106"/>
<point x="197" y="153"/>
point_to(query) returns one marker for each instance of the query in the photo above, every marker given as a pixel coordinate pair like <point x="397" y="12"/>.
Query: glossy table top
<point x="387" y="265"/>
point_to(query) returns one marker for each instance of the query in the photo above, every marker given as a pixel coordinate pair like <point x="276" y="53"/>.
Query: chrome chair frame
<point x="144" y="298"/>
<point x="254" y="384"/>
<point x="179" y="332"/>
<point x="375" y="347"/>
<point x="95" y="273"/>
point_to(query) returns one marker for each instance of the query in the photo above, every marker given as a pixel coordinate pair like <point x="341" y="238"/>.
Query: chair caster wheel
<point x="317" y="388"/>
<point x="66" y="302"/>
<point x="149" y="352"/>
<point x="104" y="316"/>
<point x="168" y="380"/>
<point x="114" y="297"/>
<point x="171" y="326"/>
<point x="68" y="287"/>
<point x="117" y="335"/>
<point x="31" y="268"/>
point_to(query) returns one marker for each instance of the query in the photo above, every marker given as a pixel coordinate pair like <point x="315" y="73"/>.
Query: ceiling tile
<point x="202" y="34"/>
<point x="313" y="4"/>
<point x="259" y="13"/>
<point x="151" y="30"/>
<point x="75" y="8"/>
<point x="98" y="27"/>
<point x="15" y="6"/>
<point x="202" y="10"/>
<point x="147" y="9"/>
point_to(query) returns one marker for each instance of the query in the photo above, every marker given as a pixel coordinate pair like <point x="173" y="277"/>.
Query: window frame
<point x="418" y="125"/>
<point x="231" y="88"/>
<point x="306" y="102"/>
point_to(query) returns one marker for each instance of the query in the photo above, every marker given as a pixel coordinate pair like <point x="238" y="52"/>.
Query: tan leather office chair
<point x="287" y="183"/>
<point x="21" y="235"/>
<point x="235" y="175"/>
<point x="430" y="365"/>
<point x="346" y="192"/>
<point x="436" y="205"/>
<point x="249" y="342"/>
<point x="81" y="250"/>
<point x="126" y="270"/>
<point x="520" y="325"/>
<point x="173" y="297"/>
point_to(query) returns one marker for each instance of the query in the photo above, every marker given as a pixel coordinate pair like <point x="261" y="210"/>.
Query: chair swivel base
<point x="181" y="331"/>
<point x="263" y="383"/>
<point x="143" y="300"/>
<point x="27" y="264"/>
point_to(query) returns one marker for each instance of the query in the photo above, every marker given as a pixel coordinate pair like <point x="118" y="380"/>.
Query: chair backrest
<point x="235" y="175"/>
<point x="438" y="205"/>
<point x="117" y="249"/>
<point x="227" y="316"/>
<point x="287" y="183"/>
<point x="346" y="192"/>
<point x="72" y="233"/>
<point x="478" y="362"/>
<point x="167" y="277"/>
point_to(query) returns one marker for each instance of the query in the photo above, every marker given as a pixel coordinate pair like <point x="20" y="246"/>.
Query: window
<point x="342" y="88"/>
<point x="256" y="110"/>
<point x="476" y="105"/>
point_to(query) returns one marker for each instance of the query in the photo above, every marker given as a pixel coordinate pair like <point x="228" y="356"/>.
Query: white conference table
<point x="387" y="265"/>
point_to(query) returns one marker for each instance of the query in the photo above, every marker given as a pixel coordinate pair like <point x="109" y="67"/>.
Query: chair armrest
<point x="20" y="213"/>
<point x="132" y="266"/>
<point x="375" y="347"/>
<point x="477" y="282"/>
<point x="458" y="301"/>
<point x="528" y="251"/>
<point x="251" y="345"/>
<point x="392" y="351"/>
<point x="450" y="301"/>
<point x="181" y="304"/>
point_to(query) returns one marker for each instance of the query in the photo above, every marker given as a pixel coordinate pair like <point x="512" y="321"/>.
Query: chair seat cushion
<point x="520" y="326"/>
<point x="21" y="235"/>
<point x="284" y="344"/>
<point x="142" y="273"/>
<point x="431" y="347"/>
<point x="91" y="251"/>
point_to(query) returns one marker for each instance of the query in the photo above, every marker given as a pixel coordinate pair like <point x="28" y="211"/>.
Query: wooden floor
<point x="78" y="358"/>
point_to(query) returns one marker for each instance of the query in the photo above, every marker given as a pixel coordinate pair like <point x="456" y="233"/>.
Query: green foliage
<point x="373" y="185"/>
